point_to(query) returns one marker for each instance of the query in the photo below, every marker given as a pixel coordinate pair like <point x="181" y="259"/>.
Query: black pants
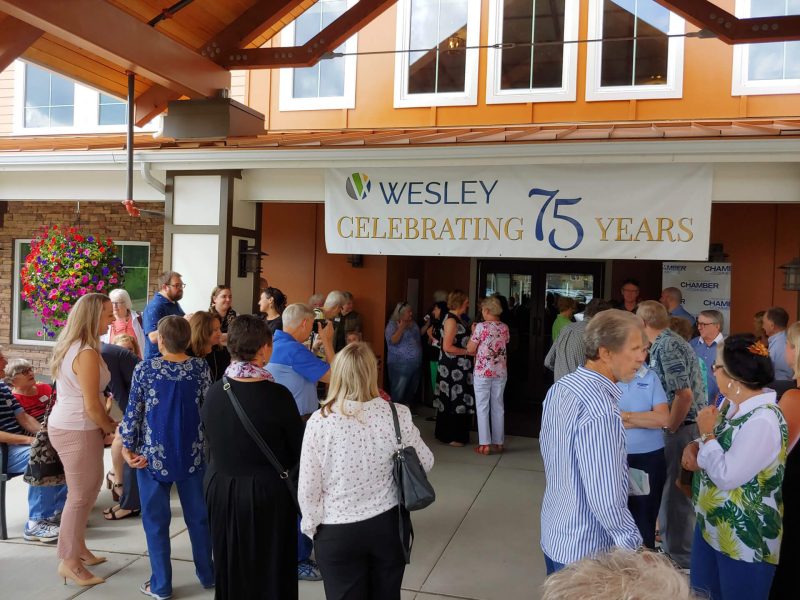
<point x="645" y="508"/>
<point x="363" y="560"/>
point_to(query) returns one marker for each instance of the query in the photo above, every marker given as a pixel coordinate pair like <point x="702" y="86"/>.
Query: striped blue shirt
<point x="585" y="506"/>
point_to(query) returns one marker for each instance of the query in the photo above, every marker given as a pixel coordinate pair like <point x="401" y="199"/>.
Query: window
<point x="46" y="103"/>
<point x="136" y="260"/>
<point x="534" y="65"/>
<point x="49" y="99"/>
<point x="330" y="84"/>
<point x="432" y="67"/>
<point x="771" y="68"/>
<point x="636" y="59"/>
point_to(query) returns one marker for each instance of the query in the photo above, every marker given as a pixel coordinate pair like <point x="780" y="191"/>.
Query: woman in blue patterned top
<point x="162" y="436"/>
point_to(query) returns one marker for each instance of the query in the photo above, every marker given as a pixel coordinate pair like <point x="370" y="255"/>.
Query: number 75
<point x="559" y="202"/>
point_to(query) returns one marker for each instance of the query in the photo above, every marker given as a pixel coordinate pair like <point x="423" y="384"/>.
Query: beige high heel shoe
<point x="67" y="573"/>
<point x="94" y="560"/>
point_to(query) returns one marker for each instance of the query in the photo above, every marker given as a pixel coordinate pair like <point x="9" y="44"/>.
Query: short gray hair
<point x="653" y="314"/>
<point x="673" y="293"/>
<point x="614" y="574"/>
<point x="15" y="366"/>
<point x="714" y="315"/>
<point x="610" y="330"/>
<point x="294" y="314"/>
<point x="120" y="295"/>
<point x="398" y="310"/>
<point x="315" y="299"/>
<point x="334" y="299"/>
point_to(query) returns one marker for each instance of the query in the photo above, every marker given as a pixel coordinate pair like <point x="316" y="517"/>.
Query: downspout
<point x="152" y="181"/>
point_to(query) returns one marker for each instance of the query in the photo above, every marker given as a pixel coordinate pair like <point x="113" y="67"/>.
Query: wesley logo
<point x="358" y="186"/>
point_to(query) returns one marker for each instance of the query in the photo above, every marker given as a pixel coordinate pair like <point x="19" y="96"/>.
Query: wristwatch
<point x="707" y="436"/>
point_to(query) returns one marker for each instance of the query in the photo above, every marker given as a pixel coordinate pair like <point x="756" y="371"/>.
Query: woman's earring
<point x="730" y="384"/>
<point x="738" y="390"/>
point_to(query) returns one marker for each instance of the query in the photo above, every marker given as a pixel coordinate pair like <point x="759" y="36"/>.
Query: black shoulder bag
<point x="44" y="465"/>
<point x="414" y="491"/>
<point x="289" y="476"/>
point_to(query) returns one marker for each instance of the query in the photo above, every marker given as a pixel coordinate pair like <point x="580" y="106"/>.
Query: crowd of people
<point x="658" y="433"/>
<point x="663" y="434"/>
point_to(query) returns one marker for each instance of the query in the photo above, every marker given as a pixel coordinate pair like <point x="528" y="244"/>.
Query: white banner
<point x="705" y="286"/>
<point x="660" y="212"/>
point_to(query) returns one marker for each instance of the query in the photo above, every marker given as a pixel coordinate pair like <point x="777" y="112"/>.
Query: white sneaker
<point x="42" y="531"/>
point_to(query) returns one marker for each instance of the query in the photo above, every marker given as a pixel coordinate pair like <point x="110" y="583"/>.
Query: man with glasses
<point x="630" y="295"/>
<point x="709" y="324"/>
<point x="164" y="303"/>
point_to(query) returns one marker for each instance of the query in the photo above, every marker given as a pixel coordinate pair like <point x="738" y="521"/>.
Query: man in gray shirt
<point x="776" y="320"/>
<point x="567" y="352"/>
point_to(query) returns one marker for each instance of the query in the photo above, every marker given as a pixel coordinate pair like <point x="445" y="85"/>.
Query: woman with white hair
<point x="126" y="320"/>
<point x="346" y="490"/>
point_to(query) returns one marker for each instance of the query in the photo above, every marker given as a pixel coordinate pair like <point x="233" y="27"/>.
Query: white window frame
<point x="17" y="296"/>
<point x="569" y="74"/>
<point x="595" y="92"/>
<point x="740" y="83"/>
<point x="86" y="112"/>
<point x="287" y="102"/>
<point x="469" y="97"/>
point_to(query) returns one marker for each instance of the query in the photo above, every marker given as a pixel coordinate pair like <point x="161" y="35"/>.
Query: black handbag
<point x="414" y="491"/>
<point x="44" y="465"/>
<point x="289" y="476"/>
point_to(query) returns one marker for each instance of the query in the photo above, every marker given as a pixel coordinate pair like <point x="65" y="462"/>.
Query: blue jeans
<point x="44" y="501"/>
<point x="551" y="565"/>
<point x="723" y="578"/>
<point x="156" y="516"/>
<point x="403" y="380"/>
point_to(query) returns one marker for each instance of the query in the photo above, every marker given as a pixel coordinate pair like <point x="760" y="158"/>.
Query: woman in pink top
<point x="488" y="341"/>
<point x="126" y="320"/>
<point x="77" y="425"/>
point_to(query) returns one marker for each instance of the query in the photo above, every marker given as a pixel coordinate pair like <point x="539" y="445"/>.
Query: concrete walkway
<point x="478" y="541"/>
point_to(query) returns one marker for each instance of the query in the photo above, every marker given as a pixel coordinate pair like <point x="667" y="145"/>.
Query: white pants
<point x="489" y="399"/>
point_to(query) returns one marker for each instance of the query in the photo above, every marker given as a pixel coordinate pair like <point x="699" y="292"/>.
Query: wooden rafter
<point x="15" y="38"/>
<point x="330" y="38"/>
<point x="731" y="29"/>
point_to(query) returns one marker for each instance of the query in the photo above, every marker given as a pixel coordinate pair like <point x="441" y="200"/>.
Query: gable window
<point x="636" y="58"/>
<point x="47" y="103"/>
<point x="330" y="84"/>
<point x="533" y="64"/>
<point x="135" y="258"/>
<point x="770" y="68"/>
<point x="49" y="99"/>
<point x="432" y="67"/>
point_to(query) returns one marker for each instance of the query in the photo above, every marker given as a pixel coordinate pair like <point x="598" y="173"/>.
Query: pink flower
<point x="100" y="285"/>
<point x="77" y="265"/>
<point x="94" y="263"/>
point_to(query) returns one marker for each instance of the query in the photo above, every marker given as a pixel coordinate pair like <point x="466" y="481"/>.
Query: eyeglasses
<point x="26" y="371"/>
<point x="701" y="324"/>
<point x="180" y="286"/>
<point x="630" y="289"/>
<point x="117" y="303"/>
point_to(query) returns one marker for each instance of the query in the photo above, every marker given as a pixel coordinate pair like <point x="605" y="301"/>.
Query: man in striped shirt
<point x="566" y="353"/>
<point x="585" y="506"/>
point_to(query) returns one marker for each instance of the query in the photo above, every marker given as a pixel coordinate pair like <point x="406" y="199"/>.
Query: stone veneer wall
<point x="21" y="220"/>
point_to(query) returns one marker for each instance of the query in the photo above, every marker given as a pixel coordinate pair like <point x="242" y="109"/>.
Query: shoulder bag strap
<point x="49" y="407"/>
<point x="396" y="425"/>
<point x="400" y="502"/>
<point x="248" y="425"/>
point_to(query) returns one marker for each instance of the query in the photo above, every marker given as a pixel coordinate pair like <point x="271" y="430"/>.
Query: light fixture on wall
<point x="356" y="260"/>
<point x="454" y="42"/>
<point x="791" y="279"/>
<point x="249" y="259"/>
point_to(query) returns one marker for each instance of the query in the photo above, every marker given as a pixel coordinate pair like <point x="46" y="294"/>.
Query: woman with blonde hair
<point x="784" y="585"/>
<point x="205" y="342"/>
<point x="77" y="426"/>
<point x="126" y="320"/>
<point x="346" y="490"/>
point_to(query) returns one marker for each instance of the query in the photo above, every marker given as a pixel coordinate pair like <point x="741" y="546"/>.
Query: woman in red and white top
<point x="488" y="342"/>
<point x="126" y="320"/>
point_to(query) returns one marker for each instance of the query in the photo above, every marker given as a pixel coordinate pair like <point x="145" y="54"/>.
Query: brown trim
<point x="258" y="235"/>
<point x="243" y="231"/>
<point x="225" y="225"/>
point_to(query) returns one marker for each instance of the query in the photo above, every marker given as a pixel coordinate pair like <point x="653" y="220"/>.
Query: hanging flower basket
<point x="63" y="265"/>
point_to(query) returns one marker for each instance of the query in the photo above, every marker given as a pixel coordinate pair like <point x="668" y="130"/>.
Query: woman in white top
<point x="126" y="320"/>
<point x="77" y="425"/>
<point x="346" y="491"/>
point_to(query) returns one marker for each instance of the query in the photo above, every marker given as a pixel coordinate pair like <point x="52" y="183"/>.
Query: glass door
<point x="532" y="289"/>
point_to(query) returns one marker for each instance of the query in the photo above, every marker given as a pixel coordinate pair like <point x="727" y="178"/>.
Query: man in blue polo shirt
<point x="672" y="299"/>
<point x="295" y="367"/>
<point x="45" y="503"/>
<point x="164" y="303"/>
<point x="709" y="323"/>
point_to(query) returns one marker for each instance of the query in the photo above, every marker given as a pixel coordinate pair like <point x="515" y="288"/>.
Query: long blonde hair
<point x="354" y="376"/>
<point x="82" y="324"/>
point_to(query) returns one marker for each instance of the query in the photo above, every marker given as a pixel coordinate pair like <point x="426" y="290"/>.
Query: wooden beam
<point x="152" y="103"/>
<point x="263" y="15"/>
<point x="330" y="38"/>
<point x="111" y="33"/>
<point x="731" y="29"/>
<point x="15" y="38"/>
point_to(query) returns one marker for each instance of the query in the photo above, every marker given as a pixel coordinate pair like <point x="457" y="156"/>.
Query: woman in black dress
<point x="455" y="398"/>
<point x="205" y="343"/>
<point x="270" y="305"/>
<point x="252" y="517"/>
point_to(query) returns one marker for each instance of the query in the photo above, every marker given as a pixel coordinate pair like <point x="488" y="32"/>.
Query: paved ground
<point x="478" y="541"/>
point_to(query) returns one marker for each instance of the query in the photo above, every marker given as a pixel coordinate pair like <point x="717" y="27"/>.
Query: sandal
<point x="110" y="514"/>
<point x="483" y="449"/>
<point x="116" y="495"/>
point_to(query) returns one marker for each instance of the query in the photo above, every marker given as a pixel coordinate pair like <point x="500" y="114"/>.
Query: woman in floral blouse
<point x="740" y="460"/>
<point x="488" y="343"/>
<point x="162" y="436"/>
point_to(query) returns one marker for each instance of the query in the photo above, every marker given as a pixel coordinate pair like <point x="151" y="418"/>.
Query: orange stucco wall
<point x="708" y="65"/>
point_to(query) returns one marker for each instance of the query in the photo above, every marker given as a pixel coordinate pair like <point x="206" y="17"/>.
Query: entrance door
<point x="533" y="287"/>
